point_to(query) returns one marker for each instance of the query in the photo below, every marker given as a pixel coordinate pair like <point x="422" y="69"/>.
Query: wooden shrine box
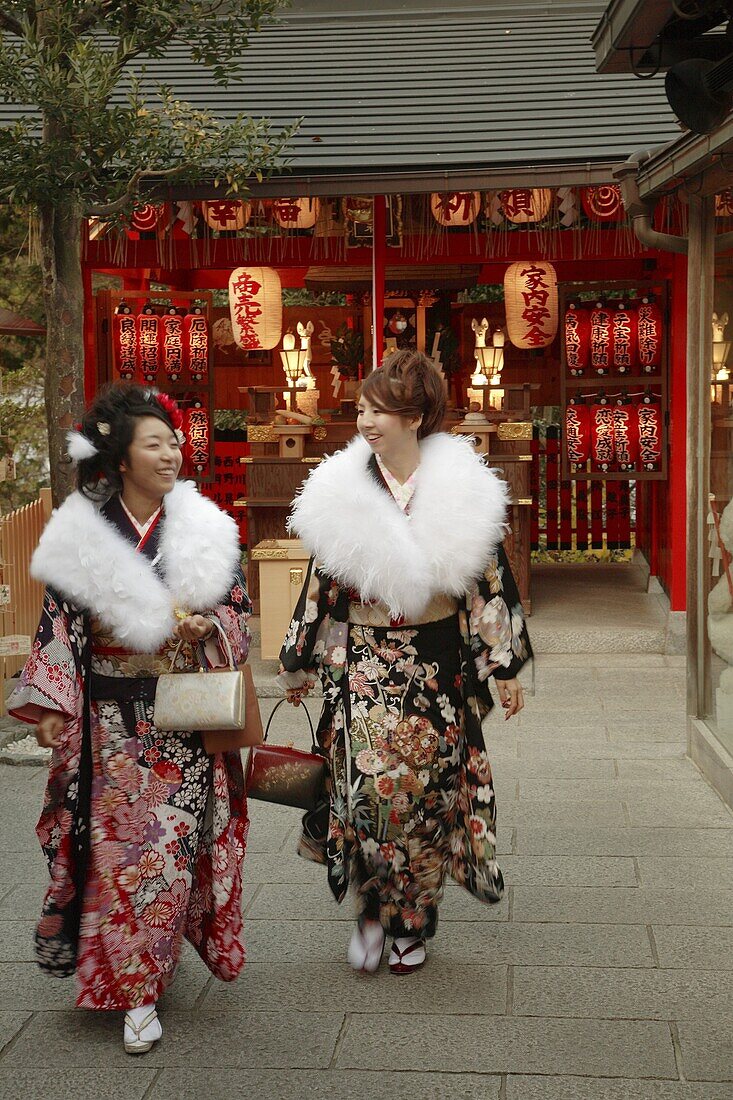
<point x="283" y="564"/>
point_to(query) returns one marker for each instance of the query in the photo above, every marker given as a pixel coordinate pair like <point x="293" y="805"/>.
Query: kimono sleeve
<point x="305" y="643"/>
<point x="499" y="640"/>
<point x="231" y="618"/>
<point x="53" y="677"/>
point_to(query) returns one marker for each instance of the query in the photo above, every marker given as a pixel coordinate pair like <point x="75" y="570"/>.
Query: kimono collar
<point x="90" y="563"/>
<point x="348" y="522"/>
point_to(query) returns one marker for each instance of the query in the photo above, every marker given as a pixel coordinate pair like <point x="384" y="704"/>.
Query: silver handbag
<point x="201" y="700"/>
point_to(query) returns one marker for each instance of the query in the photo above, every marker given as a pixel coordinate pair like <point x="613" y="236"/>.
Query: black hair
<point x="109" y="423"/>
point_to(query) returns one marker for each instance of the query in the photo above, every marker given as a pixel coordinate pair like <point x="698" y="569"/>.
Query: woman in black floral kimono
<point x="143" y="831"/>
<point x="408" y="608"/>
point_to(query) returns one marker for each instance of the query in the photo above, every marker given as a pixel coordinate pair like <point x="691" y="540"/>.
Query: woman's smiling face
<point x="153" y="458"/>
<point x="386" y="433"/>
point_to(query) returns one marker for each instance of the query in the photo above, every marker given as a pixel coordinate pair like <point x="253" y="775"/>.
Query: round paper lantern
<point x="626" y="436"/>
<point x="145" y="219"/>
<point x="649" y="330"/>
<point x="455" y="208"/>
<point x="625" y="334"/>
<point x="227" y="215"/>
<point x="198" y="437"/>
<point x="601" y="339"/>
<point x="530" y="297"/>
<point x="649" y="415"/>
<point x="296" y="213"/>
<point x="196" y="344"/>
<point x="524" y="204"/>
<point x="577" y="339"/>
<point x="171" y="344"/>
<point x="603" y="449"/>
<point x="603" y="204"/>
<point x="256" y="306"/>
<point x="124" y="326"/>
<point x="577" y="433"/>
<point x="148" y="324"/>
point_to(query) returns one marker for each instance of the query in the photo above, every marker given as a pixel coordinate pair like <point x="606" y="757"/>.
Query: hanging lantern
<point x="577" y="339"/>
<point x="626" y="436"/>
<point x="455" y="208"/>
<point x="603" y="204"/>
<point x="603" y="451"/>
<point x="148" y="343"/>
<point x="524" y="204"/>
<point x="649" y="335"/>
<point x="296" y="213"/>
<point x="649" y="414"/>
<point x="171" y="344"/>
<point x="625" y="335"/>
<point x="724" y="204"/>
<point x="227" y="215"/>
<point x="196" y="344"/>
<point x="601" y="339"/>
<point x="124" y="325"/>
<point x="145" y="219"/>
<point x="577" y="433"/>
<point x="198" y="437"/>
<point x="256" y="305"/>
<point x="530" y="296"/>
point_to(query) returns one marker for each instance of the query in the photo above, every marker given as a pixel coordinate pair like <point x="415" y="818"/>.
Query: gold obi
<point x="110" y="657"/>
<point x="378" y="614"/>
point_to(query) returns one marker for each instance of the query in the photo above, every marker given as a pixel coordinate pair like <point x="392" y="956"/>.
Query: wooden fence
<point x="19" y="535"/>
<point x="577" y="515"/>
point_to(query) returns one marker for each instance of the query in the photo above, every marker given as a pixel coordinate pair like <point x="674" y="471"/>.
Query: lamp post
<point x="721" y="348"/>
<point x="293" y="361"/>
<point x="489" y="365"/>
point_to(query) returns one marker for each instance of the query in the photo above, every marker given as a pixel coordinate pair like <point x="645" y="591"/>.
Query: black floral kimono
<point x="405" y="680"/>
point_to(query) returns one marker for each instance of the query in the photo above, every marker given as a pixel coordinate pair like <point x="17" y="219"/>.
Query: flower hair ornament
<point x="79" y="446"/>
<point x="172" y="411"/>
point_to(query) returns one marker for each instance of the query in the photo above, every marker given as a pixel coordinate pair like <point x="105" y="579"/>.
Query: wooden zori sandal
<point x="399" y="957"/>
<point x="139" y="1045"/>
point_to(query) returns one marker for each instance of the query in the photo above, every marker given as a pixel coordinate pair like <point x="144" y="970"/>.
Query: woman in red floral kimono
<point x="144" y="833"/>
<point x="408" y="609"/>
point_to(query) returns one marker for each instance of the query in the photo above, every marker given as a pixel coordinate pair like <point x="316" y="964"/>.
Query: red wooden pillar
<point x="90" y="358"/>
<point x="676" y="521"/>
<point x="379" y="266"/>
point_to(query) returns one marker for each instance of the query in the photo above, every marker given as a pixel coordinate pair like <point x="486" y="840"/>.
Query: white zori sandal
<point x="142" y="1029"/>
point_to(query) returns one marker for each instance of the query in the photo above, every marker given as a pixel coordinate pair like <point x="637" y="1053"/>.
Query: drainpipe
<point x="640" y="211"/>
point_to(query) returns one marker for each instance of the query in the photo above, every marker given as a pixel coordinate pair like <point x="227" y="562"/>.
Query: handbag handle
<point x="199" y="647"/>
<point x="316" y="747"/>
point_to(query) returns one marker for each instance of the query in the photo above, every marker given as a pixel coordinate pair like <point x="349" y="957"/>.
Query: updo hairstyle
<point x="109" y="424"/>
<point x="407" y="384"/>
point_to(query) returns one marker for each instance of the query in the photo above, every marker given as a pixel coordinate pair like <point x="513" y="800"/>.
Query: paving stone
<point x="701" y="809"/>
<point x="508" y="1045"/>
<point x="268" y="839"/>
<point x="681" y="769"/>
<point x="603" y="812"/>
<point x="441" y="987"/>
<point x="530" y="870"/>
<point x="536" y="944"/>
<point x="681" y="843"/>
<point x="282" y="867"/>
<point x="201" y="1039"/>
<point x="643" y="905"/>
<point x="694" y="948"/>
<point x="587" y="1088"/>
<point x="541" y="790"/>
<point x="621" y="730"/>
<point x="600" y="748"/>
<point x="29" y="866"/>
<point x="10" y="1025"/>
<point x="700" y="871"/>
<point x="539" y="729"/>
<point x="574" y="767"/>
<point x="325" y="1085"/>
<point x="307" y="903"/>
<point x="613" y="993"/>
<point x="16" y="942"/>
<point x="81" y="1084"/>
<point x="707" y="1050"/>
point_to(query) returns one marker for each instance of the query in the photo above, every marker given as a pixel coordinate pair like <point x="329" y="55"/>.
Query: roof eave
<point x="626" y="24"/>
<point x="691" y="157"/>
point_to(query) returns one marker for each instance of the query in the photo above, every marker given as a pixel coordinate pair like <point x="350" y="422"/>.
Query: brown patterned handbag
<point x="283" y="774"/>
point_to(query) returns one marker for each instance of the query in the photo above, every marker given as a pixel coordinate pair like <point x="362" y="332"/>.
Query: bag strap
<point x="276" y="708"/>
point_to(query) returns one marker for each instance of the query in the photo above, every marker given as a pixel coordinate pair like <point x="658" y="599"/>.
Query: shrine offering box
<point x="283" y="564"/>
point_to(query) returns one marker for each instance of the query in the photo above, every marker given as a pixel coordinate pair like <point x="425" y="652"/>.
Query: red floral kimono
<point x="144" y="833"/>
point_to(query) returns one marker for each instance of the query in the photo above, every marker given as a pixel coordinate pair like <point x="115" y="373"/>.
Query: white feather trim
<point x="85" y="558"/>
<point x="79" y="446"/>
<point x="360" y="537"/>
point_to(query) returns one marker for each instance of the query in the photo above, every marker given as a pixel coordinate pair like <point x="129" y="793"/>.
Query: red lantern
<point x="603" y="450"/>
<point x="530" y="295"/>
<point x="171" y="344"/>
<point x="147" y="343"/>
<point x="256" y="307"/>
<point x="649" y="415"/>
<point x="577" y="434"/>
<point x="626" y="436"/>
<point x="145" y="219"/>
<point x="625" y="328"/>
<point x="227" y="215"/>
<point x="577" y="339"/>
<point x="455" y="208"/>
<point x="601" y="339"/>
<point x="296" y="213"/>
<point x="196" y="344"/>
<point x="124" y="325"/>
<point x="649" y="336"/>
<point x="603" y="204"/>
<point x="198" y="437"/>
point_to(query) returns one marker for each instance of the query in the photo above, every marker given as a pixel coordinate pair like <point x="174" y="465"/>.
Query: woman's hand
<point x="194" y="629"/>
<point x="49" y="729"/>
<point x="510" y="695"/>
<point x="296" y="695"/>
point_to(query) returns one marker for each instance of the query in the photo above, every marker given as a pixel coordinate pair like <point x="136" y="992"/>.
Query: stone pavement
<point x="605" y="974"/>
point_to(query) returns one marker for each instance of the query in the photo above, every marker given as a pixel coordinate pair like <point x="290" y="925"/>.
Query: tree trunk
<point x="64" y="300"/>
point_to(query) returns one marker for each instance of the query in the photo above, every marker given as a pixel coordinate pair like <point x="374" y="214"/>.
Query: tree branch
<point x="11" y="24"/>
<point x="134" y="182"/>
